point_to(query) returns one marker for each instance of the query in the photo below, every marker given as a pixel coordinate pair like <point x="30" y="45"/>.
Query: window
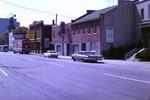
<point x="75" y="48"/>
<point x="83" y="29"/>
<point x="86" y="29"/>
<point x="92" y="46"/>
<point x="83" y="46"/>
<point x="89" y="29"/>
<point x="142" y="13"/>
<point x="148" y="10"/>
<point x="94" y="28"/>
<point x="78" y="30"/>
<point x="58" y="48"/>
<point x="74" y="31"/>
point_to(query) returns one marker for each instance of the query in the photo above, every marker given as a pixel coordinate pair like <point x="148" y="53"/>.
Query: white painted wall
<point x="11" y="39"/>
<point x="145" y="6"/>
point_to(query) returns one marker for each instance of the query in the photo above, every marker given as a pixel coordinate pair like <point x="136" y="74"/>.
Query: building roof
<point x="95" y="15"/>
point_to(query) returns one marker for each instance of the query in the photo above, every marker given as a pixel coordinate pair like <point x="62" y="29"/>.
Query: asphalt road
<point x="31" y="77"/>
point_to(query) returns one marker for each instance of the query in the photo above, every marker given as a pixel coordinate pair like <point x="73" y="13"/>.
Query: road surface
<point x="31" y="77"/>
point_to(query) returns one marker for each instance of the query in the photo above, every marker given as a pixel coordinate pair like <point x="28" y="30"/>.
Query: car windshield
<point x="87" y="53"/>
<point x="51" y="51"/>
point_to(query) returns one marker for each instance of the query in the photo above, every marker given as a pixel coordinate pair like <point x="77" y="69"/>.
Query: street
<point x="32" y="77"/>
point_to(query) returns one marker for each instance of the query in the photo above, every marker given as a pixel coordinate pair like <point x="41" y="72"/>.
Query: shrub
<point x="119" y="52"/>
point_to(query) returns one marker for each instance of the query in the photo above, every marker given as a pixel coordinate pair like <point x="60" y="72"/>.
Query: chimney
<point x="53" y="22"/>
<point x="90" y="11"/>
<point x="56" y="19"/>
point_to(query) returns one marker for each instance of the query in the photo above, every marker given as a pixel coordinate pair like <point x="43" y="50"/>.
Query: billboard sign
<point x="31" y="34"/>
<point x="110" y="34"/>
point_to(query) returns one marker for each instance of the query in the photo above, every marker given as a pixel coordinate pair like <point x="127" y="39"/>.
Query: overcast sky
<point x="28" y="11"/>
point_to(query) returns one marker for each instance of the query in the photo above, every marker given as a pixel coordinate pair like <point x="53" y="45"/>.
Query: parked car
<point x="4" y="48"/>
<point x="51" y="54"/>
<point x="86" y="56"/>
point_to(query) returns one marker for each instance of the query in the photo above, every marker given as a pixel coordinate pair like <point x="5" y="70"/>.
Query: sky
<point x="28" y="11"/>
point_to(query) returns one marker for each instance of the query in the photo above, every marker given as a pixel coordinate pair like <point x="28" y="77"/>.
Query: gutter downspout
<point x="101" y="33"/>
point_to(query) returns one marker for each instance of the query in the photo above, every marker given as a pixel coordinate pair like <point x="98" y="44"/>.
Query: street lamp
<point x="61" y="34"/>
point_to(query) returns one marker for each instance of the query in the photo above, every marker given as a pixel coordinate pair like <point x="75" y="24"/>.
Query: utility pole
<point x="56" y="18"/>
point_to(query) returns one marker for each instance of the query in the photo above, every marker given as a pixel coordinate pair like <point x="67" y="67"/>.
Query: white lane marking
<point x="3" y="72"/>
<point x="127" y="78"/>
<point x="56" y="64"/>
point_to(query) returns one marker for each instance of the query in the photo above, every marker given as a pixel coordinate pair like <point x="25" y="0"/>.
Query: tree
<point x="21" y="30"/>
<point x="4" y="38"/>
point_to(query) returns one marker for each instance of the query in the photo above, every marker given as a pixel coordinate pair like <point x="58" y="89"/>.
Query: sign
<point x="109" y="34"/>
<point x="31" y="34"/>
<point x="19" y="36"/>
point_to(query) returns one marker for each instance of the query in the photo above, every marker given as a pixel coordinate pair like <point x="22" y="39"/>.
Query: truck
<point x="22" y="46"/>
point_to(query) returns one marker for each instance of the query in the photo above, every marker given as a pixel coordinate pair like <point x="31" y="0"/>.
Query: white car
<point x="86" y="56"/>
<point x="51" y="54"/>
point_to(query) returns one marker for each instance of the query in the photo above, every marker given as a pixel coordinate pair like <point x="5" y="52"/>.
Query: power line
<point x="32" y="9"/>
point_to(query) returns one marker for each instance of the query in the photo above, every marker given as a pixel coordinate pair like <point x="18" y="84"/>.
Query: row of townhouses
<point x="121" y="26"/>
<point x="118" y="28"/>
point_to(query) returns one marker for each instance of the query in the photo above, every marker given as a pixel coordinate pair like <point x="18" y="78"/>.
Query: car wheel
<point x="73" y="59"/>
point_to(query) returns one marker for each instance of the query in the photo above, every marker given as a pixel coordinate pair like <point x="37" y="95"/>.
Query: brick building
<point x="62" y="44"/>
<point x="102" y="30"/>
<point x="144" y="12"/>
<point x="42" y="37"/>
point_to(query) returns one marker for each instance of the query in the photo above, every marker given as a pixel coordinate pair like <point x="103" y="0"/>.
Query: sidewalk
<point x="134" y="63"/>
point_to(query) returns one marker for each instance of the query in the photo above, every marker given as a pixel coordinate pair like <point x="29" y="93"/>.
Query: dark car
<point x="4" y="48"/>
